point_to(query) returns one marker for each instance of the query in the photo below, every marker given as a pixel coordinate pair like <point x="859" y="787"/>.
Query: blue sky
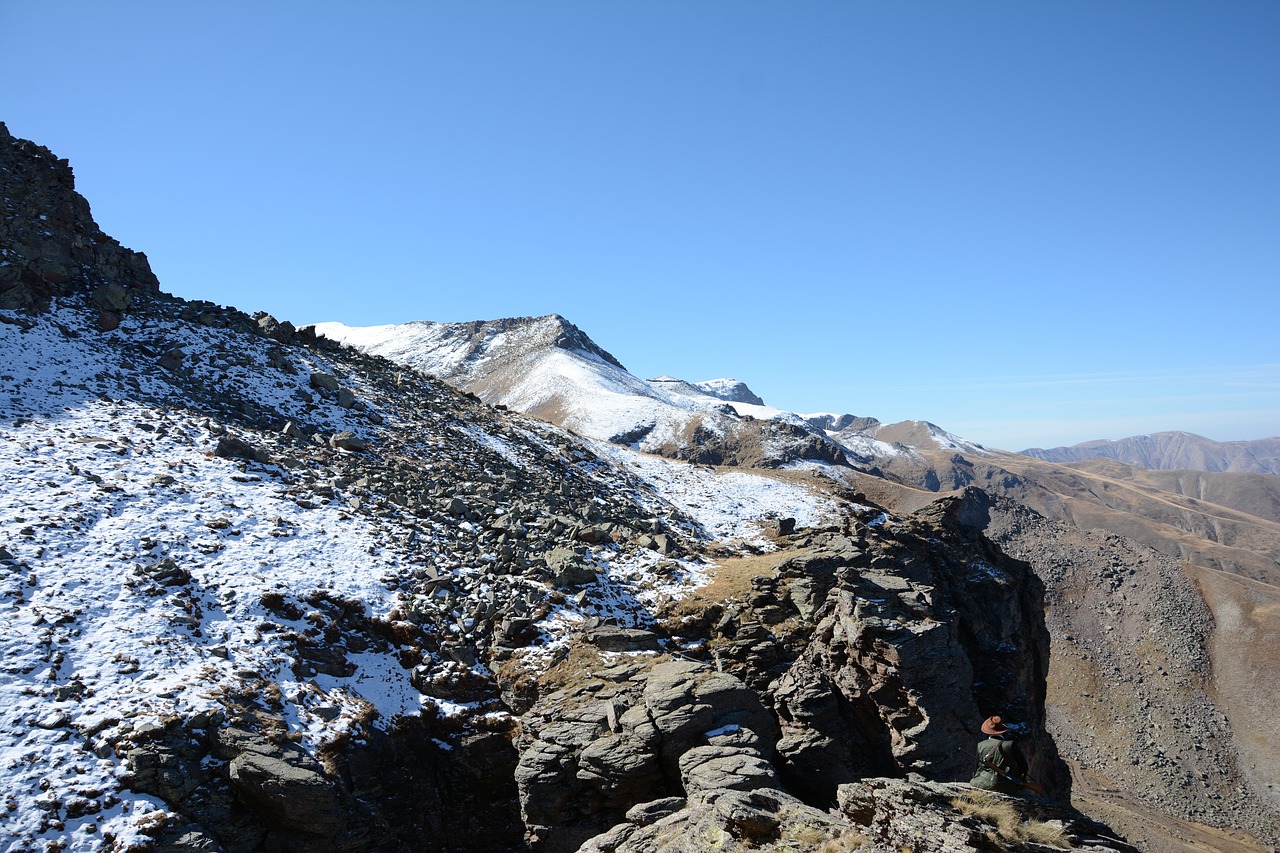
<point x="1032" y="223"/>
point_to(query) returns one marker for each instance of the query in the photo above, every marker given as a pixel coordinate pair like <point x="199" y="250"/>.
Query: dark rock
<point x="324" y="382"/>
<point x="454" y="682"/>
<point x="172" y="360"/>
<point x="348" y="440"/>
<point x="230" y="447"/>
<point x="288" y="790"/>
<point x="652" y="812"/>
<point x="272" y="328"/>
<point x="611" y="638"/>
<point x="112" y="298"/>
<point x="161" y="770"/>
<point x="166" y="572"/>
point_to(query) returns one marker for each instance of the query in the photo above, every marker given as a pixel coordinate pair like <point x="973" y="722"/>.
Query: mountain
<point x="1182" y="566"/>
<point x="263" y="592"/>
<point x="1163" y="592"/>
<point x="1174" y="451"/>
<point x="548" y="368"/>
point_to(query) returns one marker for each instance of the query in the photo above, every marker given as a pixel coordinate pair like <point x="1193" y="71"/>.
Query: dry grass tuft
<point x="574" y="668"/>
<point x="1008" y="821"/>
<point x="731" y="580"/>
<point x="849" y="840"/>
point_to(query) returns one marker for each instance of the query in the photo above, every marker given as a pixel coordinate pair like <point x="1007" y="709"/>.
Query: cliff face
<point x="928" y="630"/>
<point x="49" y="243"/>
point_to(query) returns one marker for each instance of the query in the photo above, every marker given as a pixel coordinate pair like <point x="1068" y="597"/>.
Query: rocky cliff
<point x="49" y="243"/>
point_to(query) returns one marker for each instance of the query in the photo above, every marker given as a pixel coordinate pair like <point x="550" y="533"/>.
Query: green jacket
<point x="1005" y="755"/>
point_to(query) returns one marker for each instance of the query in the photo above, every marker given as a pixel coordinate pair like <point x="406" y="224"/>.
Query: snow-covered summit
<point x="731" y="390"/>
<point x="548" y="368"/>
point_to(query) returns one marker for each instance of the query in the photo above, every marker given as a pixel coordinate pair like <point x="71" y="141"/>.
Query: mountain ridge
<point x="1173" y="450"/>
<point x="1212" y="521"/>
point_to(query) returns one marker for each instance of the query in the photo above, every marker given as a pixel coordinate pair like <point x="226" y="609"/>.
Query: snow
<point x="730" y="506"/>
<point x="99" y="491"/>
<point x="525" y="369"/>
<point x="723" y="730"/>
<point x="110" y="481"/>
<point x="980" y="569"/>
<point x="75" y="611"/>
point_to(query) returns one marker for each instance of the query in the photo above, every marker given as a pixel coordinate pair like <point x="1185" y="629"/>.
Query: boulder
<point x="348" y="440"/>
<point x="288" y="790"/>
<point x="686" y="700"/>
<point x="230" y="447"/>
<point x="569" y="568"/>
<point x="161" y="770"/>
<point x="706" y="768"/>
<point x="111" y="297"/>
<point x="612" y="638"/>
<point x="453" y="682"/>
<point x="324" y="382"/>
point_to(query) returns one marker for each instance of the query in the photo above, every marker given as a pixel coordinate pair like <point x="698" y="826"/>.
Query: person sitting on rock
<point x="1001" y="766"/>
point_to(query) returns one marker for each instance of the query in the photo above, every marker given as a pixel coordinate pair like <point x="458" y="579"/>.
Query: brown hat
<point x="993" y="726"/>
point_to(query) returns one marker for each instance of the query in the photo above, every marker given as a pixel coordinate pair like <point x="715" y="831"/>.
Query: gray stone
<point x="160" y="770"/>
<point x="655" y="810"/>
<point x="611" y="638"/>
<point x="172" y="360"/>
<point x="230" y="447"/>
<point x="324" y="381"/>
<point x="288" y="790"/>
<point x="348" y="440"/>
<point x="706" y="768"/>
<point x="569" y="568"/>
<point x="111" y="297"/>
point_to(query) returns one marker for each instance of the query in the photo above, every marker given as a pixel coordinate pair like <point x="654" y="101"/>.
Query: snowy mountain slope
<point x="154" y="570"/>
<point x="546" y="367"/>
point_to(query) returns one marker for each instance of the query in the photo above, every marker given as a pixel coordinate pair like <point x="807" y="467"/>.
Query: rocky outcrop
<point x="633" y="733"/>
<point x="49" y="243"/>
<point x="875" y="815"/>
<point x="883" y="645"/>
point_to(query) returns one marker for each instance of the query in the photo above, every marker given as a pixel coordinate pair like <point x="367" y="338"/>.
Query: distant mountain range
<point x="1173" y="451"/>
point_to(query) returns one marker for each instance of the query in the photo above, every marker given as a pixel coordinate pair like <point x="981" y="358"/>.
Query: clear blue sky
<point x="1033" y="223"/>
